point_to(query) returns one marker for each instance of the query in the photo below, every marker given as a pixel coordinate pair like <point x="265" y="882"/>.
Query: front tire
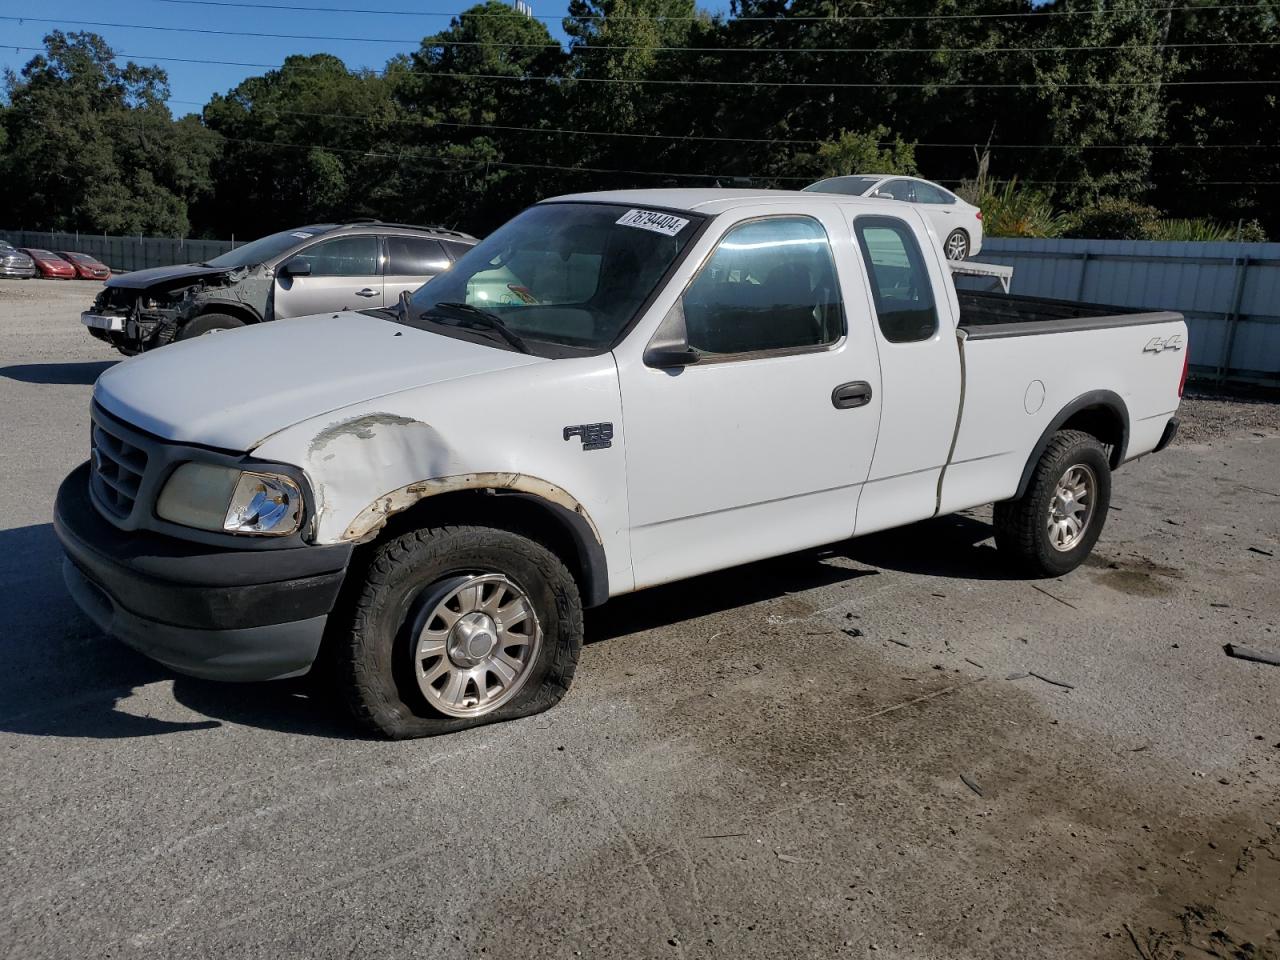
<point x="956" y="246"/>
<point x="1051" y="528"/>
<point x="455" y="627"/>
<point x="209" y="323"/>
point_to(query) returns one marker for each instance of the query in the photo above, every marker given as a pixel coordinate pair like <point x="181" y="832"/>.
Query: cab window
<point x="770" y="285"/>
<point x="900" y="284"/>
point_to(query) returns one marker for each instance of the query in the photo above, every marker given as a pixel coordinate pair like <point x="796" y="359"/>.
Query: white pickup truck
<point x="613" y="391"/>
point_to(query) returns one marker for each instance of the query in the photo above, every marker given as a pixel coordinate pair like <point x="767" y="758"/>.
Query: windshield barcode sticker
<point x="663" y="223"/>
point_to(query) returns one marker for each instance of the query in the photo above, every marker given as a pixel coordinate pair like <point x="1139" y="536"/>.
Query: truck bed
<point x="986" y="315"/>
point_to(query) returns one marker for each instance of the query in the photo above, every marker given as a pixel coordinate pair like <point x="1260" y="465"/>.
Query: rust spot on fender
<point x="373" y="517"/>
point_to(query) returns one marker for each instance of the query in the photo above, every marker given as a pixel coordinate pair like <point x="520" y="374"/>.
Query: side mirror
<point x="671" y="355"/>
<point x="670" y="345"/>
<point x="297" y="267"/>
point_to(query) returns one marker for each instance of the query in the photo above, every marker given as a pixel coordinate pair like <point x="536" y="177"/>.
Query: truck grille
<point x="118" y="468"/>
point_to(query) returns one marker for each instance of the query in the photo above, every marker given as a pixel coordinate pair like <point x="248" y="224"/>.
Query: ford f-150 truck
<point x="613" y="391"/>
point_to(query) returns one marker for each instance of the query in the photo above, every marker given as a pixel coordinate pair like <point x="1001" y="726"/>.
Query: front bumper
<point x="213" y="612"/>
<point x="18" y="270"/>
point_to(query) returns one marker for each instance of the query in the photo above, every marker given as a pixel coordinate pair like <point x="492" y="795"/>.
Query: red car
<point x="87" y="267"/>
<point x="50" y="264"/>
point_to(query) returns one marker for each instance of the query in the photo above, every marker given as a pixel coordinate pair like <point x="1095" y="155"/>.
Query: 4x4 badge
<point x="1160" y="344"/>
<point x="594" y="436"/>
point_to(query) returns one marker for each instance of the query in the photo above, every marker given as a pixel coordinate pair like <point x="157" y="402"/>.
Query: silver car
<point x="15" y="263"/>
<point x="323" y="268"/>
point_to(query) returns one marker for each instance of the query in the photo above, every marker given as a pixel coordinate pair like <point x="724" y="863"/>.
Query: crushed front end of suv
<point x="309" y="270"/>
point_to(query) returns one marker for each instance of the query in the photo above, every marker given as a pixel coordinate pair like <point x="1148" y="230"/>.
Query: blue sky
<point x="191" y="83"/>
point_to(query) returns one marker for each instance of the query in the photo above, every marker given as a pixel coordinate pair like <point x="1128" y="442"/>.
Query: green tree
<point x="458" y="92"/>
<point x="308" y="142"/>
<point x="1100" y="101"/>
<point x="92" y="146"/>
<point x="859" y="153"/>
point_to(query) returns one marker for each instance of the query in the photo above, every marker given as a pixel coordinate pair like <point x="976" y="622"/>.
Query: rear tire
<point x="956" y="246"/>
<point x="209" y="323"/>
<point x="438" y="611"/>
<point x="1051" y="528"/>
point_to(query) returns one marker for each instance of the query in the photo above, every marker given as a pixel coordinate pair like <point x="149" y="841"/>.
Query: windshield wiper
<point x="476" y="317"/>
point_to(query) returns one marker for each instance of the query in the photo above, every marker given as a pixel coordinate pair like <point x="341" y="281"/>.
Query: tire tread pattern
<point x="362" y="668"/>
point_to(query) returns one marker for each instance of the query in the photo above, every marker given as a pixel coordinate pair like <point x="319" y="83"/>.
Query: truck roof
<point x="713" y="200"/>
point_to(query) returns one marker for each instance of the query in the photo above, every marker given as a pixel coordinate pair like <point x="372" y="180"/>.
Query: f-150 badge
<point x="1160" y="344"/>
<point x="594" y="436"/>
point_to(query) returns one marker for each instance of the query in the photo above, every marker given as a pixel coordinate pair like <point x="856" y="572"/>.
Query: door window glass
<point x="343" y="257"/>
<point x="900" y="283"/>
<point x="928" y="193"/>
<point x="770" y="285"/>
<point x="457" y="250"/>
<point x="415" y="257"/>
<point x="897" y="190"/>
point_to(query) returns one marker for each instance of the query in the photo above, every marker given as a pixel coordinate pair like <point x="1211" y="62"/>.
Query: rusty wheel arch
<point x="527" y="505"/>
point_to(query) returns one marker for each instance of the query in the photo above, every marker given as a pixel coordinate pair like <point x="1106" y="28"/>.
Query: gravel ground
<point x="1208" y="416"/>
<point x="889" y="747"/>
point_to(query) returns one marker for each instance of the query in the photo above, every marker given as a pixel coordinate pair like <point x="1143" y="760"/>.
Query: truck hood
<point x="235" y="388"/>
<point x="141" y="279"/>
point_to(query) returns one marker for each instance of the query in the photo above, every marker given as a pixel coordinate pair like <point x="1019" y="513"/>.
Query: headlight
<point x="227" y="500"/>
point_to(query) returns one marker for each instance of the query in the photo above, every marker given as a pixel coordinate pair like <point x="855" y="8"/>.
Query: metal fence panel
<point x="122" y="253"/>
<point x="1229" y="292"/>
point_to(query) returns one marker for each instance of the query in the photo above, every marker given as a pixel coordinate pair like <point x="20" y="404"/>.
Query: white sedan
<point x="957" y="222"/>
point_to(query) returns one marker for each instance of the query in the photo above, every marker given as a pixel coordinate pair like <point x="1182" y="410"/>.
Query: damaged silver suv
<point x="326" y="267"/>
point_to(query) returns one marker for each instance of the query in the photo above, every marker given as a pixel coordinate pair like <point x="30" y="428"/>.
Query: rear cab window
<point x="900" y="282"/>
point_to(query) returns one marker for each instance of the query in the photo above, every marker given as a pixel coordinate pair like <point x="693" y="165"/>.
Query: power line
<point x="1045" y="15"/>
<point x="480" y="164"/>
<point x="817" y="84"/>
<point x="578" y="48"/>
<point x="568" y="131"/>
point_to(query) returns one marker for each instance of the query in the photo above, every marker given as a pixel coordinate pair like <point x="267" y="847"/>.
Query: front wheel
<point x="454" y="627"/>
<point x="1051" y="528"/>
<point x="208" y="323"/>
<point x="956" y="246"/>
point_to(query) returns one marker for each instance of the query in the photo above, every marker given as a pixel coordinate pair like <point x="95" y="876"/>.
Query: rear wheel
<point x="454" y="627"/>
<point x="956" y="245"/>
<point x="209" y="323"/>
<point x="1052" y="527"/>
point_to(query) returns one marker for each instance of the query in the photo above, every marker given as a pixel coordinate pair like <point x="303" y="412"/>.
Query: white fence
<point x="1229" y="292"/>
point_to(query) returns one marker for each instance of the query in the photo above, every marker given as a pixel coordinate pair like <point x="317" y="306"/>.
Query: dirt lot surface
<point x="889" y="747"/>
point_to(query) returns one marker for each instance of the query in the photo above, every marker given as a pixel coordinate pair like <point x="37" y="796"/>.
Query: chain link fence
<point x="122" y="253"/>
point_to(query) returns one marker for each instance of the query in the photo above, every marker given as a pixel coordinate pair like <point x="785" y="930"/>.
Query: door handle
<point x="849" y="395"/>
<point x="366" y="292"/>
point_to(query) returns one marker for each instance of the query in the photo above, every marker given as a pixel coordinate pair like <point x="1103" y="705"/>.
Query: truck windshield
<point x="265" y="248"/>
<point x="567" y="274"/>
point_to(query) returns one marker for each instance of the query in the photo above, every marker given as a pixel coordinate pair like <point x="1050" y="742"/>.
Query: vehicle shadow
<point x="954" y="547"/>
<point x="64" y="678"/>
<point x="949" y="547"/>
<point x="83" y="373"/>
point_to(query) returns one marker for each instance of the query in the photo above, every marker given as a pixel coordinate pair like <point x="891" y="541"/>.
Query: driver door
<point x="344" y="273"/>
<point x="762" y="446"/>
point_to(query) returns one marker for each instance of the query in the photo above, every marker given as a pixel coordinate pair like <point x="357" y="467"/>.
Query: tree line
<point x="1110" y="117"/>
